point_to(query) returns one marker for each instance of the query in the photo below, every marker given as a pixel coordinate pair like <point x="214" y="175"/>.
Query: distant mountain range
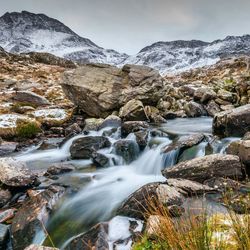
<point x="26" y="32"/>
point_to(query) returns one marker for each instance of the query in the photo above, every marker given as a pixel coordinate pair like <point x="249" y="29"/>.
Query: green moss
<point x="27" y="129"/>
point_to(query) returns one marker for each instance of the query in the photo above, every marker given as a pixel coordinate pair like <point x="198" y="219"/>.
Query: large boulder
<point x="204" y="168"/>
<point x="235" y="122"/>
<point x="98" y="89"/>
<point x="14" y="173"/>
<point x="141" y="202"/>
<point x="83" y="148"/>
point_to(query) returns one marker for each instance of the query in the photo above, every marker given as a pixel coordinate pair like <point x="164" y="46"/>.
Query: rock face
<point x="100" y="89"/>
<point x="204" y="168"/>
<point x="83" y="148"/>
<point x="15" y="174"/>
<point x="235" y="122"/>
<point x="31" y="217"/>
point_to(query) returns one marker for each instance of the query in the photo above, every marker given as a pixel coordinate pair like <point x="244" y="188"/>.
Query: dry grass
<point x="195" y="232"/>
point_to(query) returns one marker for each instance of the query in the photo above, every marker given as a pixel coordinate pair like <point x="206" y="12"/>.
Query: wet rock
<point x="246" y="136"/>
<point x="7" y="214"/>
<point x="241" y="148"/>
<point x="4" y="235"/>
<point x="185" y="142"/>
<point x="110" y="132"/>
<point x="106" y="88"/>
<point x="138" y="205"/>
<point x="204" y="168"/>
<point x="189" y="188"/>
<point x="93" y="124"/>
<point x="212" y="108"/>
<point x="132" y="127"/>
<point x="118" y="233"/>
<point x="223" y="184"/>
<point x="7" y="148"/>
<point x="194" y="109"/>
<point x="73" y="129"/>
<point x="32" y="216"/>
<point x="204" y="95"/>
<point x="14" y="173"/>
<point x="84" y="147"/>
<point x="5" y="196"/>
<point x="59" y="168"/>
<point x="244" y="152"/>
<point x="96" y="238"/>
<point x="57" y="131"/>
<point x="154" y="115"/>
<point x="100" y="160"/>
<point x="141" y="139"/>
<point x="128" y="149"/>
<point x="234" y="122"/>
<point x="233" y="148"/>
<point x="169" y="115"/>
<point x="38" y="247"/>
<point x="111" y="121"/>
<point x="133" y="111"/>
<point x="31" y="98"/>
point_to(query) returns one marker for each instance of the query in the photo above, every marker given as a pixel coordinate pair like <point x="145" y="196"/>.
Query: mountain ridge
<point x="26" y="32"/>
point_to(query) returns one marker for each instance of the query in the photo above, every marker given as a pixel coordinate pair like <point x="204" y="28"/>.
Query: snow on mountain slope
<point x="177" y="56"/>
<point x="26" y="32"/>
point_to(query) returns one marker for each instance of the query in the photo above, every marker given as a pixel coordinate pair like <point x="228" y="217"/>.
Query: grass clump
<point x="229" y="231"/>
<point x="27" y="129"/>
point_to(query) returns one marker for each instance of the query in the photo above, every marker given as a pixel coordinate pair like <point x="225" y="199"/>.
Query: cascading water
<point x="107" y="188"/>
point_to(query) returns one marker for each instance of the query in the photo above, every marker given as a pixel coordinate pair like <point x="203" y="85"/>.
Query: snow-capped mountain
<point x="26" y="32"/>
<point x="177" y="56"/>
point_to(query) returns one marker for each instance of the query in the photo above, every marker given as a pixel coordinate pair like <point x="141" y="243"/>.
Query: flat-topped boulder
<point x="234" y="122"/>
<point x="204" y="168"/>
<point x="14" y="173"/>
<point x="99" y="89"/>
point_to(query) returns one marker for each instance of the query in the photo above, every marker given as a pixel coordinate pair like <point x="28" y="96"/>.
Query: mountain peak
<point x="26" y="32"/>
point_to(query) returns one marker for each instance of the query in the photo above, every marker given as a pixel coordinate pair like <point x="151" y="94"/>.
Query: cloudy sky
<point x="130" y="25"/>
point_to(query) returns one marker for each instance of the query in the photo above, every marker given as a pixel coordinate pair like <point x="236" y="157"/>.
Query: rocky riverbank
<point x="106" y="127"/>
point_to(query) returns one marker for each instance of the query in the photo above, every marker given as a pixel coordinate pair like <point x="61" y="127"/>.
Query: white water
<point x="109" y="187"/>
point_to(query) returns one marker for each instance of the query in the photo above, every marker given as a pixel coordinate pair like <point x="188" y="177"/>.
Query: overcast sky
<point x="130" y="25"/>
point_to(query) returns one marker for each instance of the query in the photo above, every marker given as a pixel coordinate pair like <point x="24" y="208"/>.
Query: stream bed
<point x="96" y="193"/>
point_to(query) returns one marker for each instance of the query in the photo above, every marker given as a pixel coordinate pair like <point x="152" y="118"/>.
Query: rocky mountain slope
<point x="178" y="56"/>
<point x="26" y="32"/>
